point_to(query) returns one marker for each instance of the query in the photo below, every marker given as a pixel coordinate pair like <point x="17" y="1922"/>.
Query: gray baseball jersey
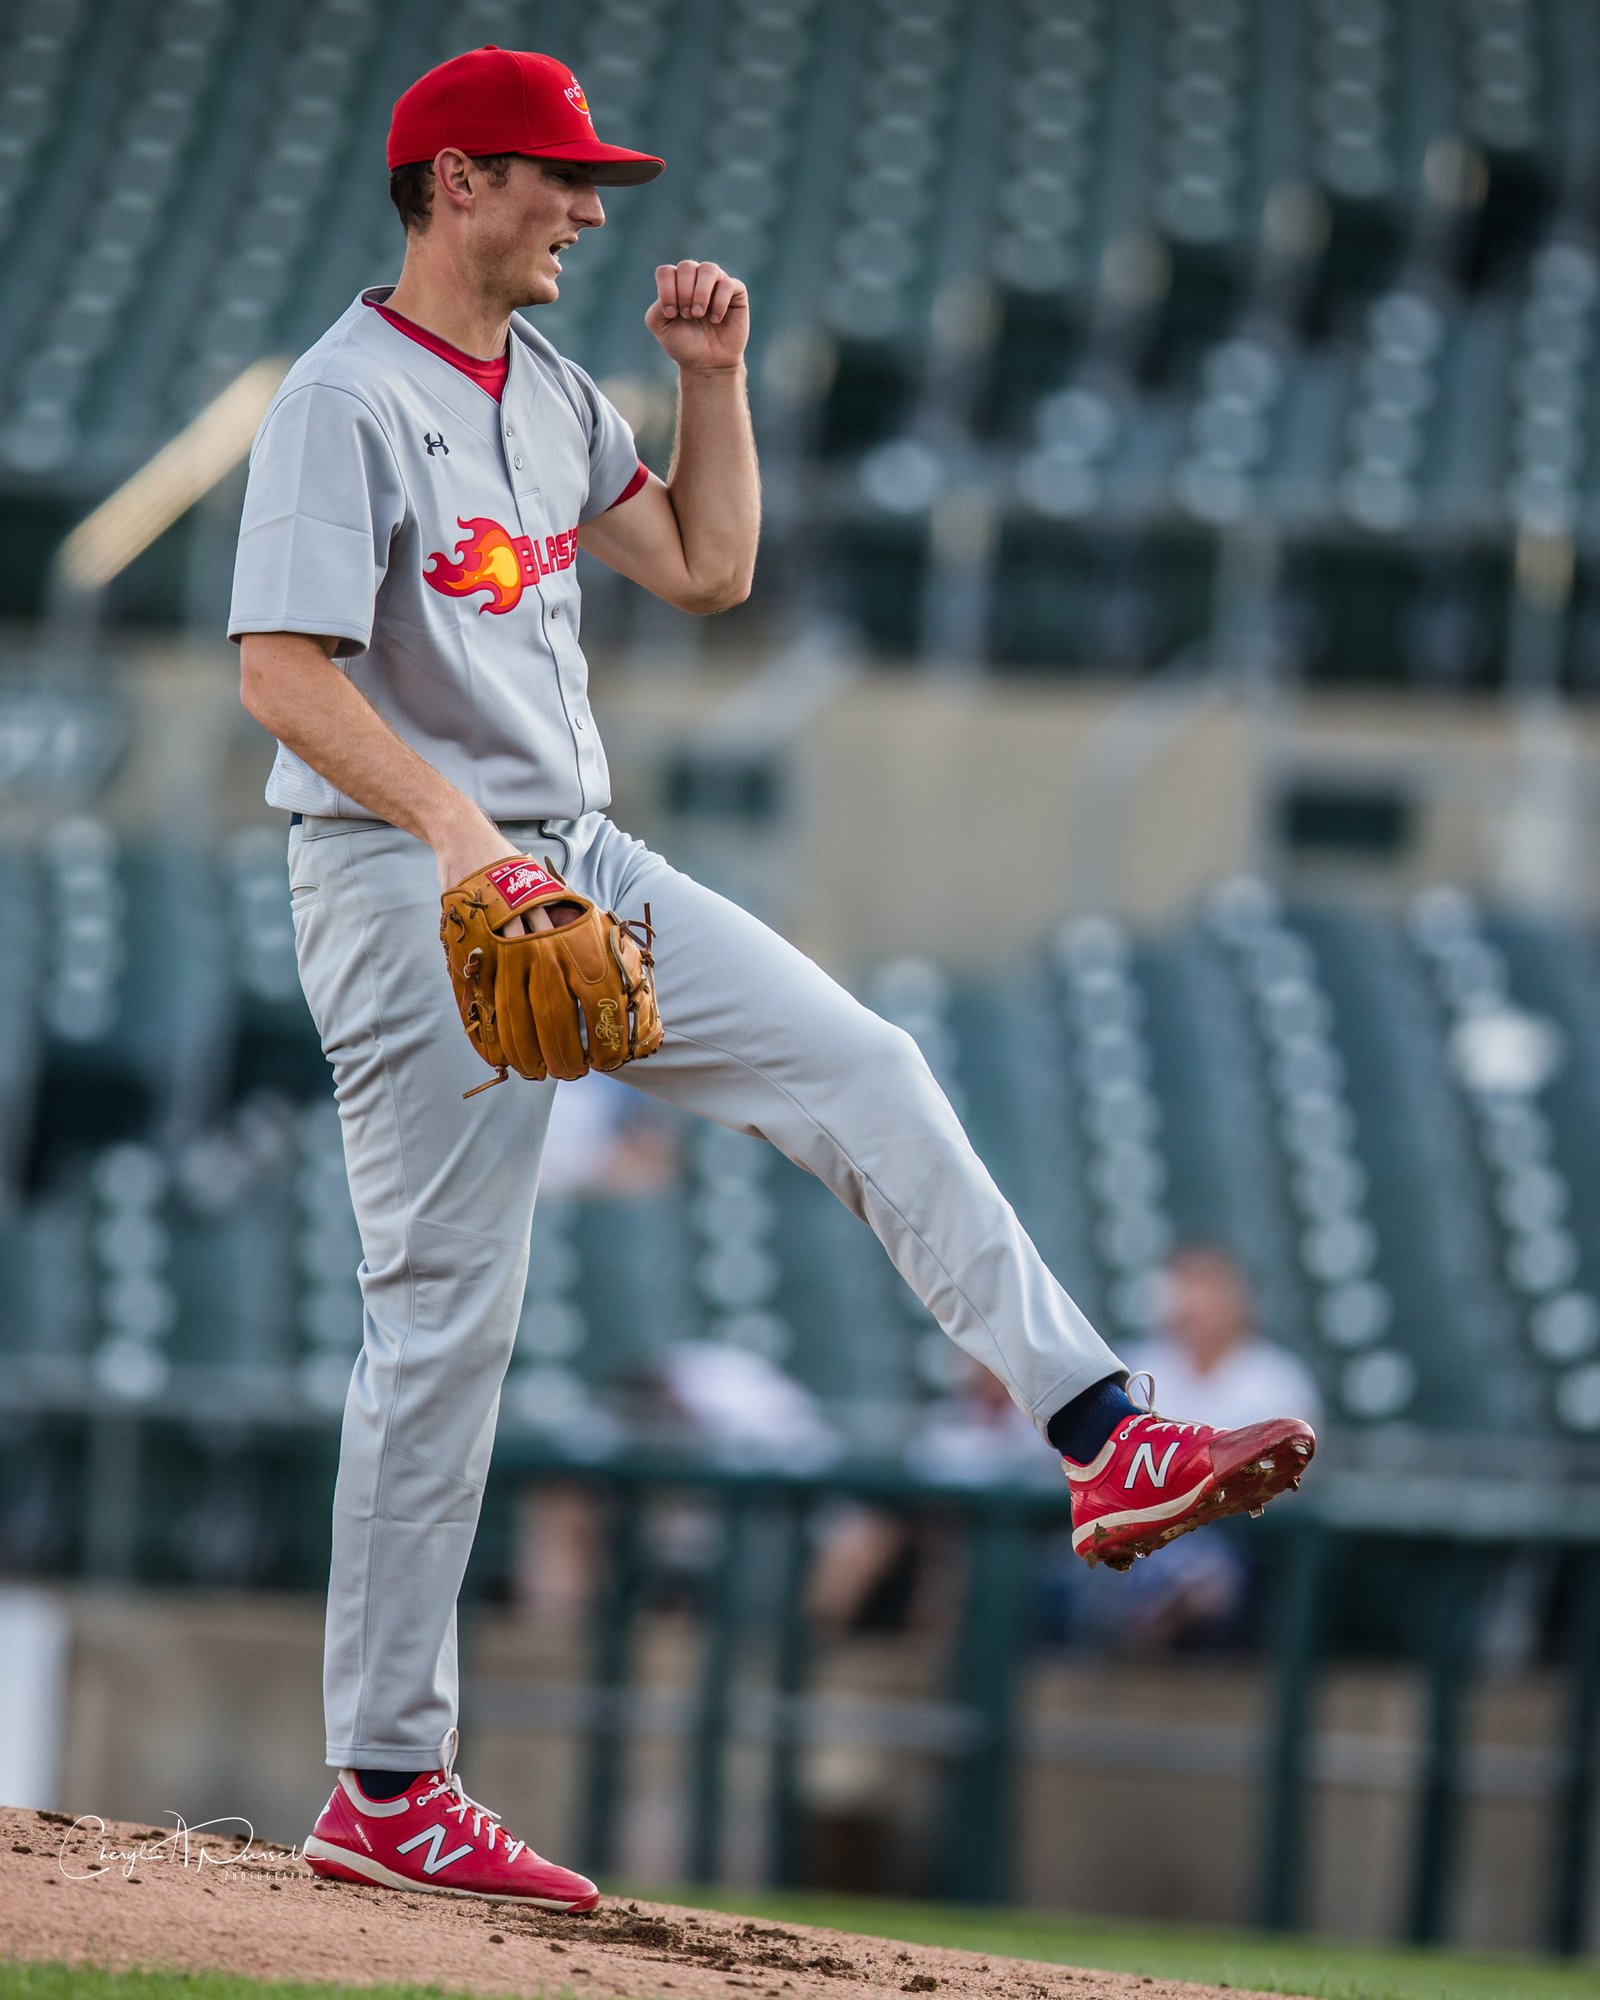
<point x="394" y="504"/>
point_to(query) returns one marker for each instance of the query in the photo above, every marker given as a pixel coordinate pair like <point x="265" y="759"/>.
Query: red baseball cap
<point x="494" y="100"/>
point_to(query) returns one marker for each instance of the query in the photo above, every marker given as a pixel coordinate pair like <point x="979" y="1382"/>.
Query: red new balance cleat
<point x="1155" y="1479"/>
<point x="434" y="1837"/>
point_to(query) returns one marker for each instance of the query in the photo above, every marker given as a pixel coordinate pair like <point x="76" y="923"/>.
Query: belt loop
<point x="545" y="833"/>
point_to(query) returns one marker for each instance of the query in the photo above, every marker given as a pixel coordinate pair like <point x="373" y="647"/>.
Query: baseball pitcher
<point x="406" y="605"/>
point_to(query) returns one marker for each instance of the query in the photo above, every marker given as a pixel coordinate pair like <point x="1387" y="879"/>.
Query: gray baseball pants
<point x="757" y="1037"/>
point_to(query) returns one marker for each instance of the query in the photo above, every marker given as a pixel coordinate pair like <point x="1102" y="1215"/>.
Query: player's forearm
<point x="714" y="484"/>
<point x="293" y="689"/>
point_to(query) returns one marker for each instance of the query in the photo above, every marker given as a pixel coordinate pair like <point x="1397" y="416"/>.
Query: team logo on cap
<point x="489" y="559"/>
<point x="575" y="97"/>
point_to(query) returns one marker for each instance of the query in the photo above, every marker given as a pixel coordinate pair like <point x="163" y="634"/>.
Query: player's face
<point x="523" y="228"/>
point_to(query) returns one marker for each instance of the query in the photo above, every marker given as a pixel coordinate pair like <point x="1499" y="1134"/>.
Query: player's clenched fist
<point x="701" y="316"/>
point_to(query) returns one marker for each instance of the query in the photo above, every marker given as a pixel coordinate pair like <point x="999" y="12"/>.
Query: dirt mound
<point x="125" y="1895"/>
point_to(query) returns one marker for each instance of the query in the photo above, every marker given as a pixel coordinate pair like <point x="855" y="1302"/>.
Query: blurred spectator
<point x="704" y="1398"/>
<point x="605" y="1138"/>
<point x="877" y="1571"/>
<point x="979" y="1437"/>
<point x="731" y="1404"/>
<point x="1209" y="1362"/>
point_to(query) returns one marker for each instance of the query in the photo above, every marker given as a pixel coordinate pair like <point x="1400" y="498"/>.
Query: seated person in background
<point x="709" y="1399"/>
<point x="605" y="1139"/>
<point x="1209" y="1361"/>
<point x="977" y="1436"/>
<point x="876" y="1569"/>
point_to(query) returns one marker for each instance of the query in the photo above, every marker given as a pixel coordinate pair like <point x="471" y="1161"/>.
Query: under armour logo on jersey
<point x="435" y="442"/>
<point x="1146" y="1457"/>
<point x="433" y="1838"/>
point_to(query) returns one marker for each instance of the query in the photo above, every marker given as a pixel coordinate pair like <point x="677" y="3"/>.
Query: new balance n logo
<point x="1146" y="1457"/>
<point x="433" y="1838"/>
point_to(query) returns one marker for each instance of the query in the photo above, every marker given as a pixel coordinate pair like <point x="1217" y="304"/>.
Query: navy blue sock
<point x="1081" y="1427"/>
<point x="386" y="1784"/>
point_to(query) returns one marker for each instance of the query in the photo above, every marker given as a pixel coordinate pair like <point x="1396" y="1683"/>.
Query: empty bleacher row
<point x="1394" y="460"/>
<point x="868" y="156"/>
<point x="1063" y="293"/>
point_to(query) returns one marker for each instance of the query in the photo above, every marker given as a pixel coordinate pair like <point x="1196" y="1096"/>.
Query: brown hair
<point x="411" y="187"/>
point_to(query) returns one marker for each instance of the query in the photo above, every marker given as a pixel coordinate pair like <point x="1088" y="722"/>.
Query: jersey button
<point x="517" y="462"/>
<point x="577" y="722"/>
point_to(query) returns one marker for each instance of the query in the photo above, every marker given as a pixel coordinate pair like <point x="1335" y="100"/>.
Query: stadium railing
<point x="1452" y="1531"/>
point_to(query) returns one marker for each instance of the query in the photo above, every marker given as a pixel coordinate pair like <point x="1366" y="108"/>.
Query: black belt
<point x="295" y="818"/>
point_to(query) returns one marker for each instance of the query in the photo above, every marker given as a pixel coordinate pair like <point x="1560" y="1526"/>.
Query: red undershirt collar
<point x="489" y="375"/>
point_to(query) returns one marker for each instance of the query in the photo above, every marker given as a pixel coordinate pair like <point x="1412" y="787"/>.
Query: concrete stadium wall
<point x="958" y="818"/>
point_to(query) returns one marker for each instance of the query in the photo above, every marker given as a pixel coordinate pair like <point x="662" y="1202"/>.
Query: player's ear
<point x="452" y="173"/>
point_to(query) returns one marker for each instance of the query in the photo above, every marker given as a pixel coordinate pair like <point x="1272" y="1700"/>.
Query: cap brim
<point x="611" y="166"/>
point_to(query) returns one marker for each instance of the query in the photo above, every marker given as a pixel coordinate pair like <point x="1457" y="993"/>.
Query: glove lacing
<point x="475" y="1014"/>
<point x="642" y="931"/>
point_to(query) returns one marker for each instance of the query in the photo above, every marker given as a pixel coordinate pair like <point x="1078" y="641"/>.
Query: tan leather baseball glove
<point x="556" y="1002"/>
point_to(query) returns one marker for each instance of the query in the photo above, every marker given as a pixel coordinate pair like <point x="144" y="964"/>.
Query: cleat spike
<point x="1256" y="1513"/>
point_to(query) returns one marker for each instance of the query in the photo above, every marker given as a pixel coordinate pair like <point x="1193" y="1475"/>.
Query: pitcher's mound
<point x="125" y="1895"/>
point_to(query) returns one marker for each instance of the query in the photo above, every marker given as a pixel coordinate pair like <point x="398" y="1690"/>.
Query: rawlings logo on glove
<point x="556" y="1002"/>
<point x="521" y="882"/>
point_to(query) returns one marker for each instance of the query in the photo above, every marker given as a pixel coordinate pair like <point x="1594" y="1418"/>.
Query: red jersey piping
<point x="632" y="487"/>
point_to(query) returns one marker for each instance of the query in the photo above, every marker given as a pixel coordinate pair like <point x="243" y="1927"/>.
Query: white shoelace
<point x="1161" y="1423"/>
<point x="460" y="1804"/>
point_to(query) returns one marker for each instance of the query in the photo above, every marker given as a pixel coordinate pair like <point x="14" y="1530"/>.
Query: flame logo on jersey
<point x="486" y="559"/>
